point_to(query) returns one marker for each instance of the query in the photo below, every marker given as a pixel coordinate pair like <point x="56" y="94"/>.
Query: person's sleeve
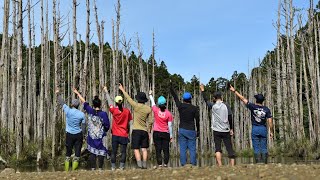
<point x="249" y="105"/>
<point x="152" y="100"/>
<point x="60" y="100"/>
<point x="66" y="108"/>
<point x="268" y="115"/>
<point x="130" y="100"/>
<point x="197" y="117"/>
<point x="87" y="108"/>
<point x="175" y="97"/>
<point x="106" y="122"/>
<point x="110" y="102"/>
<point x="209" y="104"/>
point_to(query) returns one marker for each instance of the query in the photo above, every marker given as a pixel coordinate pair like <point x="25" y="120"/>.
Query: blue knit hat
<point x="162" y="100"/>
<point x="187" y="96"/>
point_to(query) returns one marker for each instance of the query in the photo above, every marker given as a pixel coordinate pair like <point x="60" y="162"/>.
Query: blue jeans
<point x="187" y="140"/>
<point x="259" y="139"/>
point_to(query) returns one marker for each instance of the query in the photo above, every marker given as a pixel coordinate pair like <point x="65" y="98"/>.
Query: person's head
<point x="162" y="103"/>
<point x="96" y="102"/>
<point x="119" y="101"/>
<point x="187" y="97"/>
<point x="259" y="98"/>
<point x="141" y="97"/>
<point x="217" y="95"/>
<point x="75" y="103"/>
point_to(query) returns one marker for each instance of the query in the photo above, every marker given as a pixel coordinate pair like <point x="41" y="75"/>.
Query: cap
<point x="259" y="97"/>
<point x="75" y="103"/>
<point x="118" y="99"/>
<point x="162" y="100"/>
<point x="187" y="96"/>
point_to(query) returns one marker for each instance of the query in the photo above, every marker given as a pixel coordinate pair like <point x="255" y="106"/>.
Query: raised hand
<point x="105" y="88"/>
<point x="75" y="91"/>
<point x="232" y="88"/>
<point x="57" y="91"/>
<point x="121" y="87"/>
<point x="202" y="87"/>
<point x="150" y="92"/>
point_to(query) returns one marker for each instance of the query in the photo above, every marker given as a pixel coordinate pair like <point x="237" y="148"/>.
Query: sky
<point x="206" y="38"/>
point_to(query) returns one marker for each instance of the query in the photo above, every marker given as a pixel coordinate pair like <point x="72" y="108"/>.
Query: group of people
<point x="138" y="128"/>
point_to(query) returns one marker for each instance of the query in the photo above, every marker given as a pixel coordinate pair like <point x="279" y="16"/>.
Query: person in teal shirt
<point x="75" y="125"/>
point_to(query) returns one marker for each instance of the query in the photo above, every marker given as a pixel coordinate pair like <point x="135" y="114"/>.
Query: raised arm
<point x="209" y="104"/>
<point x="82" y="100"/>
<point x="151" y="98"/>
<point x="243" y="99"/>
<point x="126" y="95"/>
<point x="109" y="101"/>
<point x="60" y="100"/>
<point x="174" y="95"/>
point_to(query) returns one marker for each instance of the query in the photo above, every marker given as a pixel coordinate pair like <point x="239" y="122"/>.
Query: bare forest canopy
<point x="33" y="125"/>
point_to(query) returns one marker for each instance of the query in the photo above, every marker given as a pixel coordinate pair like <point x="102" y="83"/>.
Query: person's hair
<point x="187" y="100"/>
<point x="259" y="101"/>
<point x="217" y="95"/>
<point x="96" y="102"/>
<point x="73" y="106"/>
<point x="162" y="107"/>
<point x="120" y="107"/>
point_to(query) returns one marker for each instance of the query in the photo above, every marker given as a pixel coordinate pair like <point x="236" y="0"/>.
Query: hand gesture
<point x="75" y="90"/>
<point x="231" y="132"/>
<point x="202" y="87"/>
<point x="232" y="89"/>
<point x="150" y="92"/>
<point x="57" y="90"/>
<point x="121" y="87"/>
<point x="105" y="88"/>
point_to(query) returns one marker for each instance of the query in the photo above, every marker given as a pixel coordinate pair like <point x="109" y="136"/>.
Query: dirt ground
<point x="271" y="171"/>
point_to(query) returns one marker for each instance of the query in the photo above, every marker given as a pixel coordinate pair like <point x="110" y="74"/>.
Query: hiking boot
<point x="75" y="165"/>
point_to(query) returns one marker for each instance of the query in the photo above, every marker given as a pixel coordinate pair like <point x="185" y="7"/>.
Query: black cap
<point x="141" y="97"/>
<point x="217" y="95"/>
<point x="259" y="97"/>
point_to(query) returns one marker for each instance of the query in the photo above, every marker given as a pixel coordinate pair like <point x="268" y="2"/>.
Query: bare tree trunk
<point x="19" y="118"/>
<point x="4" y="66"/>
<point x="75" y="58"/>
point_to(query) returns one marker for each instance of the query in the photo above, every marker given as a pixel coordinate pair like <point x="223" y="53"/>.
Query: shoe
<point x="113" y="168"/>
<point x="165" y="165"/>
<point x="264" y="158"/>
<point x="257" y="158"/>
<point x="122" y="165"/>
<point x="66" y="165"/>
<point x="75" y="165"/>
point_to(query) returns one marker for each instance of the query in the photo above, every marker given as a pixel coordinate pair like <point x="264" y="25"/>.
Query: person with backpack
<point x="98" y="125"/>
<point x="260" y="118"/>
<point x="120" y="128"/>
<point x="75" y="126"/>
<point x="221" y="124"/>
<point x="189" y="128"/>
<point x="141" y="128"/>
<point x="162" y="129"/>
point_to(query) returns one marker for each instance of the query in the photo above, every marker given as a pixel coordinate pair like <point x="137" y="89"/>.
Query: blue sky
<point x="206" y="38"/>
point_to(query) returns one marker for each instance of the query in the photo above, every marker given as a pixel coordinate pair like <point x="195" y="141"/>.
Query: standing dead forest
<point x="32" y="125"/>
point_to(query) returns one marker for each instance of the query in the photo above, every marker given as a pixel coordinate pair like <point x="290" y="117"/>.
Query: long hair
<point x="120" y="106"/>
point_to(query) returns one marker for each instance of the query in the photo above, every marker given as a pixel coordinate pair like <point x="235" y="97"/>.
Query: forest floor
<point x="250" y="171"/>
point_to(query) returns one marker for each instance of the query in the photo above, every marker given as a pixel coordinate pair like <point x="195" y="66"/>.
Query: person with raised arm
<point x="141" y="128"/>
<point x="120" y="128"/>
<point x="98" y="125"/>
<point x="75" y="126"/>
<point x="260" y="117"/>
<point x="162" y="129"/>
<point x="221" y="124"/>
<point x="189" y="128"/>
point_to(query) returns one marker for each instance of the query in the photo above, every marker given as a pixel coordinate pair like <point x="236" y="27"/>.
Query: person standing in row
<point x="189" y="128"/>
<point x="140" y="130"/>
<point x="260" y="117"/>
<point x="221" y="124"/>
<point x="120" y="129"/>
<point x="162" y="129"/>
<point x="75" y="125"/>
<point x="98" y="125"/>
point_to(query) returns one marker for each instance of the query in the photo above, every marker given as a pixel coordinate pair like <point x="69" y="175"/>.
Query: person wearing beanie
<point x="260" y="117"/>
<point x="141" y="127"/>
<point x="75" y="126"/>
<point x="221" y="125"/>
<point x="162" y="129"/>
<point x="121" y="119"/>
<point x="98" y="125"/>
<point x="189" y="128"/>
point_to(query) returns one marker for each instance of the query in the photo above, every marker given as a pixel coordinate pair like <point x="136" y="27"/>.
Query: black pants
<point x="93" y="161"/>
<point x="123" y="142"/>
<point x="161" y="142"/>
<point x="74" y="141"/>
<point x="226" y="138"/>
